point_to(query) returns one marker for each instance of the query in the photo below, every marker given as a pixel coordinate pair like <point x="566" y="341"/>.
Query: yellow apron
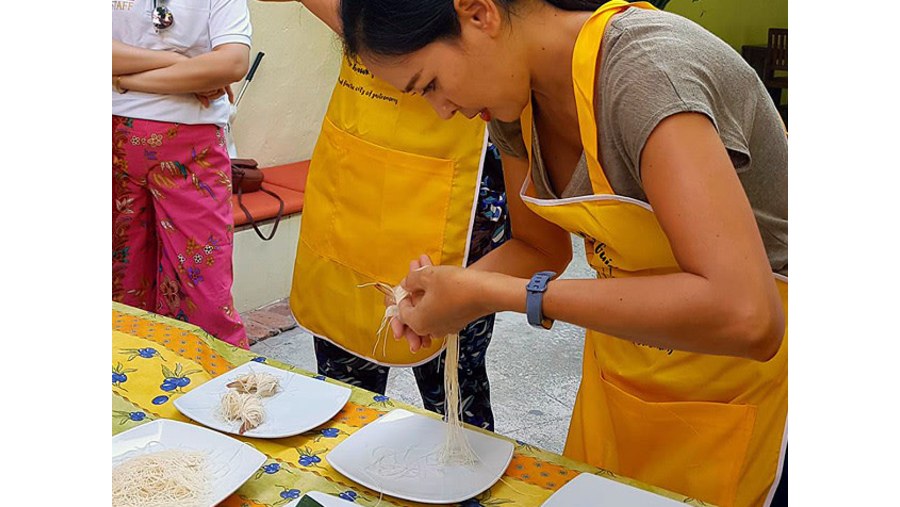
<point x="388" y="181"/>
<point x="709" y="427"/>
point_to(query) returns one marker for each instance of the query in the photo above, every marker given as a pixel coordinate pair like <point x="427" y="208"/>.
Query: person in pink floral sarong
<point x="172" y="64"/>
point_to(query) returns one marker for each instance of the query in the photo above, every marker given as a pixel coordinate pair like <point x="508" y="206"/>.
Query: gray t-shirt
<point x="655" y="64"/>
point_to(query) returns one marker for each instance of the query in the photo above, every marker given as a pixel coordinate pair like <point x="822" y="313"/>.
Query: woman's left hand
<point x="446" y="299"/>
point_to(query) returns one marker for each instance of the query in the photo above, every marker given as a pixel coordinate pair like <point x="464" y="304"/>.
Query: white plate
<point x="301" y="404"/>
<point x="323" y="499"/>
<point x="407" y="441"/>
<point x="590" y="489"/>
<point x="231" y="461"/>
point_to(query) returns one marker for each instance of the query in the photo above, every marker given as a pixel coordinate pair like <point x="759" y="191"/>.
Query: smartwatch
<point x="534" y="300"/>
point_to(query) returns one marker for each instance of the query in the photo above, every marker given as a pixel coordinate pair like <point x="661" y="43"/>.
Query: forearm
<point x="128" y="59"/>
<point x="520" y="259"/>
<point x="536" y="244"/>
<point x="326" y="10"/>
<point x="679" y="311"/>
<point x="208" y="71"/>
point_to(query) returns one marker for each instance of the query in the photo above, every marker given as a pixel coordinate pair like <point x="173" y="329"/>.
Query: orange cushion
<point x="263" y="206"/>
<point x="292" y="176"/>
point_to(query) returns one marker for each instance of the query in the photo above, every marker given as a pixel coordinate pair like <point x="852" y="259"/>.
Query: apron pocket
<point x="379" y="208"/>
<point x="697" y="449"/>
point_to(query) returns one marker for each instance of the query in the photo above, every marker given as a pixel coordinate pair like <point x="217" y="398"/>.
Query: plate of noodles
<point x="403" y="454"/>
<point x="168" y="462"/>
<point x="261" y="401"/>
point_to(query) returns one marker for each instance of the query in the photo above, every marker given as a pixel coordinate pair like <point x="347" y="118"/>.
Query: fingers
<point x="414" y="340"/>
<point x="414" y="281"/>
<point x="397" y="328"/>
<point x="230" y="93"/>
<point x="405" y="308"/>
<point x="413" y="284"/>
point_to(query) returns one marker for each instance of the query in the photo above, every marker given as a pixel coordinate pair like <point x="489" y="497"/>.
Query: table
<point x="146" y="348"/>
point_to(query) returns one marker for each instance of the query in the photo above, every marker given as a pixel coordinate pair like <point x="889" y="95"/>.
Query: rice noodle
<point x="456" y="450"/>
<point x="244" y="407"/>
<point x="263" y="384"/>
<point x="162" y="479"/>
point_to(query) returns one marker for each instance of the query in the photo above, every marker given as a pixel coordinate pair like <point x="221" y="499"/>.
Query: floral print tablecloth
<point x="156" y="359"/>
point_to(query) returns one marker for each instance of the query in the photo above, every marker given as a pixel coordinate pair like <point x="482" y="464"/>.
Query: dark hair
<point x="400" y="27"/>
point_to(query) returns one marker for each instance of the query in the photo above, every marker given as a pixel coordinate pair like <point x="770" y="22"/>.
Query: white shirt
<point x="198" y="27"/>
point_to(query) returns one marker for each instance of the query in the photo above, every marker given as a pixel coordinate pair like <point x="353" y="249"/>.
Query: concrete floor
<point x="534" y="374"/>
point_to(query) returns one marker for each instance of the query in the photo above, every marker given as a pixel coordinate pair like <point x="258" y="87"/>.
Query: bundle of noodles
<point x="263" y="384"/>
<point x="244" y="407"/>
<point x="456" y="450"/>
<point x="162" y="479"/>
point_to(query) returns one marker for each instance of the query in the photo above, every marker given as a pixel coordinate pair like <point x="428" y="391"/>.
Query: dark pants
<point x="490" y="230"/>
<point x="781" y="492"/>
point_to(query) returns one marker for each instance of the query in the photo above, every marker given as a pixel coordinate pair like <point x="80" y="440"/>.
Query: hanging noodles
<point x="162" y="479"/>
<point x="456" y="450"/>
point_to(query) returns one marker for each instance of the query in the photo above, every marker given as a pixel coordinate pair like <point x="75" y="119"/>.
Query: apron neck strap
<point x="585" y="62"/>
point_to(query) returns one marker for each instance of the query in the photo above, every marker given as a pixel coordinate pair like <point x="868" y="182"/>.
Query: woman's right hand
<point x="207" y="97"/>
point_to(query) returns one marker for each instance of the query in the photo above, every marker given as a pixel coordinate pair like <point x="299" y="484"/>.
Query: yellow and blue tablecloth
<point x="156" y="359"/>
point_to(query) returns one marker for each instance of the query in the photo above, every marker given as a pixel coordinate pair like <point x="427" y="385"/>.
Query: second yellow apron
<point x="388" y="181"/>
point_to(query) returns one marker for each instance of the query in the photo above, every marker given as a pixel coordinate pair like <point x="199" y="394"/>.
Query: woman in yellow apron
<point x="363" y="193"/>
<point x="648" y="137"/>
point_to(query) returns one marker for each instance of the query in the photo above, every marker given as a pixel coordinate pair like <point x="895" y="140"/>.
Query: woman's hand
<point x="443" y="300"/>
<point x="207" y="97"/>
<point x="225" y="64"/>
<point x="399" y="328"/>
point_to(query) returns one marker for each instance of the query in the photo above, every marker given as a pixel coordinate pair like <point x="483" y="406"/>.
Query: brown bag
<point x="246" y="177"/>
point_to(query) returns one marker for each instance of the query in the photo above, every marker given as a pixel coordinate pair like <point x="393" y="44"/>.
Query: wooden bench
<point x="288" y="181"/>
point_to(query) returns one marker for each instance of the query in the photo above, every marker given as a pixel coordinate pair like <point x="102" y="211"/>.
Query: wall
<point x="737" y="22"/>
<point x="263" y="269"/>
<point x="281" y="112"/>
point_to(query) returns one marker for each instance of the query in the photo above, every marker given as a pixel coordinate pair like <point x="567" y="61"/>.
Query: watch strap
<point x="534" y="299"/>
